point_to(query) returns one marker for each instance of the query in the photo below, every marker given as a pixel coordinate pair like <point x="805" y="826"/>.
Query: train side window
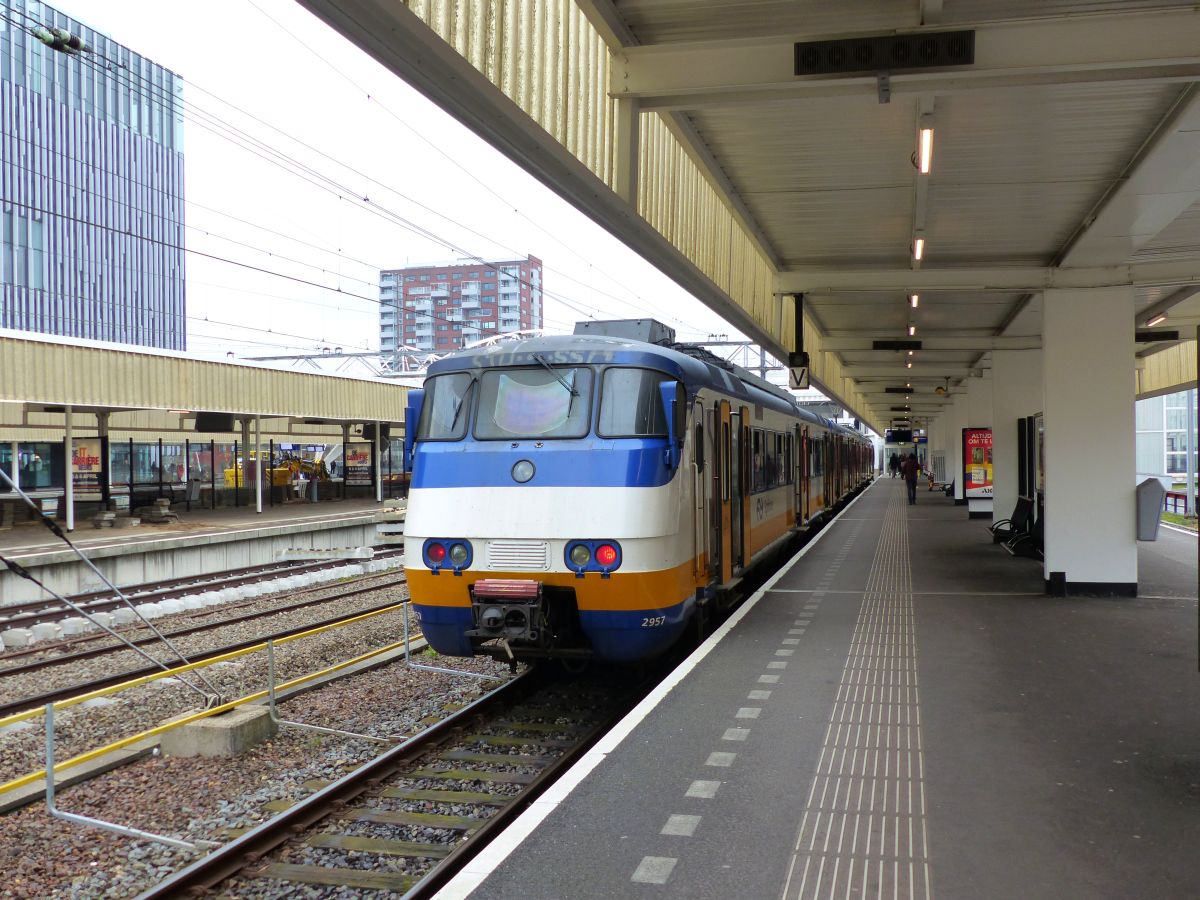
<point x="631" y="405"/>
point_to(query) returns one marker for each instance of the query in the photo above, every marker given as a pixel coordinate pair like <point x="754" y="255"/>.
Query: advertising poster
<point x="85" y="468"/>
<point x="358" y="464"/>
<point x="977" y="462"/>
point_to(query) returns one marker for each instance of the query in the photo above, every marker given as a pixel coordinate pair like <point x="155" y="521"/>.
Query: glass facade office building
<point x="91" y="187"/>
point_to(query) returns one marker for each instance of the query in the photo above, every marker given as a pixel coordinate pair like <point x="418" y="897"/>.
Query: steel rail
<point x="31" y="704"/>
<point x="180" y="632"/>
<point x="34" y="612"/>
<point x="244" y="851"/>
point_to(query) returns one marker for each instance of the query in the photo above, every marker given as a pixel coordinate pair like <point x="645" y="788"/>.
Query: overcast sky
<point x="381" y="140"/>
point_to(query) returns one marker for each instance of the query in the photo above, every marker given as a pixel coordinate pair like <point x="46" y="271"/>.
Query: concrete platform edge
<point x="176" y="540"/>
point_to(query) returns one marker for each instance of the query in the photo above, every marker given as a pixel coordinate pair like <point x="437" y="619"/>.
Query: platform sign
<point x="798" y="371"/>
<point x="86" y="468"/>
<point x="977" y="462"/>
<point x="358" y="464"/>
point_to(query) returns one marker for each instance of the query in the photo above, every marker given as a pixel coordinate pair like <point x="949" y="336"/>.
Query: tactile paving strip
<point x="863" y="832"/>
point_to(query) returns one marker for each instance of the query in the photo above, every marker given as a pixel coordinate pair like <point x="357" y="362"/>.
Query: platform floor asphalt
<point x="31" y="538"/>
<point x="906" y="714"/>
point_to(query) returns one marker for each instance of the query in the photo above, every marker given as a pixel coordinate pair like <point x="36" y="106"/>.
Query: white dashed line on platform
<point x="681" y="826"/>
<point x="654" y="870"/>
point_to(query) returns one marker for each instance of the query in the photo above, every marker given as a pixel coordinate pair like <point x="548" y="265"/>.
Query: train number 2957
<point x="653" y="621"/>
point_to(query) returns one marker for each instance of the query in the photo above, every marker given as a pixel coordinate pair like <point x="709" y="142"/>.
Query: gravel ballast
<point x="202" y="799"/>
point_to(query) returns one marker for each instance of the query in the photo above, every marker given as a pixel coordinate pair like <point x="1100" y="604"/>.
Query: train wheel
<point x="575" y="667"/>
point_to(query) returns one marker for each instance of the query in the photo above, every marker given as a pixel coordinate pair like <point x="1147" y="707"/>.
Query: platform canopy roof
<point x="1066" y="153"/>
<point x="46" y="374"/>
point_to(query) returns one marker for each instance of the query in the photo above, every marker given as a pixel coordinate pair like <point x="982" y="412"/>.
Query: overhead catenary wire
<point x="343" y="193"/>
<point x="222" y="128"/>
<point x="440" y="151"/>
<point x="239" y="137"/>
<point x="17" y="569"/>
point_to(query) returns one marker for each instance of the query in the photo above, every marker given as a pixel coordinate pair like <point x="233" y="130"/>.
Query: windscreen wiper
<point x="461" y="403"/>
<point x="553" y="371"/>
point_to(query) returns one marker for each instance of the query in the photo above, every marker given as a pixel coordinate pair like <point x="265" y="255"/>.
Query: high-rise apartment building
<point x="439" y="308"/>
<point x="91" y="184"/>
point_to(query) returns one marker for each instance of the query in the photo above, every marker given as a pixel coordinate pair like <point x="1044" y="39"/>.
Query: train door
<point x="736" y="488"/>
<point x="797" y="473"/>
<point x="805" y="474"/>
<point x="742" y="554"/>
<point x="725" y="475"/>
<point x="702" y="458"/>
<point x="713" y="495"/>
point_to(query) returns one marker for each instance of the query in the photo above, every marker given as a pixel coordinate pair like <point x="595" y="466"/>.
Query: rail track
<point x="415" y="815"/>
<point x="21" y="615"/>
<point x="50" y="647"/>
<point x="80" y="688"/>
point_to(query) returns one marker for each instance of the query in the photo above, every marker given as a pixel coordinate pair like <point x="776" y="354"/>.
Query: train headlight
<point x="522" y="471"/>
<point x="448" y="553"/>
<point x="582" y="556"/>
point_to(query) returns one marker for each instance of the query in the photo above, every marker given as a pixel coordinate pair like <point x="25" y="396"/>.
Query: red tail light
<point x="606" y="555"/>
<point x="436" y="552"/>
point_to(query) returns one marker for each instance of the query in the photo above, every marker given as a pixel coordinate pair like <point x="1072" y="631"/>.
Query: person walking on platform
<point x="894" y="465"/>
<point x="911" y="469"/>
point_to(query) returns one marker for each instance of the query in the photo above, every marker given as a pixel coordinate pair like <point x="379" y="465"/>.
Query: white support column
<point x="259" y="468"/>
<point x="377" y="456"/>
<point x="14" y="464"/>
<point x="69" y="480"/>
<point x="955" y="423"/>
<point x="626" y="147"/>
<point x="979" y="415"/>
<point x="1016" y="393"/>
<point x="1090" y="528"/>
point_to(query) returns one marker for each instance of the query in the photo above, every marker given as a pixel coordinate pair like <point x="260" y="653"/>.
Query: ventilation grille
<point x="518" y="556"/>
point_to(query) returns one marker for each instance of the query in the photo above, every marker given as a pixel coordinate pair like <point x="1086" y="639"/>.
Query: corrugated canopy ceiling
<point x="1067" y="154"/>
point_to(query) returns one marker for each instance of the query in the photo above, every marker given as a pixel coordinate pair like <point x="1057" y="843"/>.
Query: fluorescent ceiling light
<point x="1156" y="320"/>
<point x="918" y="248"/>
<point x="908" y="365"/>
<point x="925" y="153"/>
<point x="912" y="329"/>
<point x="914" y="300"/>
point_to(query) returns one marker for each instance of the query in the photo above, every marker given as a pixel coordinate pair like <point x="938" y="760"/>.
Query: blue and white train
<point x="586" y="496"/>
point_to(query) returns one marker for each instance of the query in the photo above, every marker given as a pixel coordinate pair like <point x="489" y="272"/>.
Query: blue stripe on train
<point x="626" y="463"/>
<point x="616" y="636"/>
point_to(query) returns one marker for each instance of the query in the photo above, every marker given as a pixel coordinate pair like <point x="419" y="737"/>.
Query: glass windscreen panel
<point x="447" y="407"/>
<point x="631" y="404"/>
<point x="534" y="403"/>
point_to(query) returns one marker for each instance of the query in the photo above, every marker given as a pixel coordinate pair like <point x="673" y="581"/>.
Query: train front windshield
<point x="534" y="403"/>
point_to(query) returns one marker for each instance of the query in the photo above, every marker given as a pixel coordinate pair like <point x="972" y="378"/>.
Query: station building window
<point x="40" y="465"/>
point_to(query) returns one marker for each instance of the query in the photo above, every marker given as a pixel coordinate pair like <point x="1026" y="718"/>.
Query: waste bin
<point x="1150" y="495"/>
